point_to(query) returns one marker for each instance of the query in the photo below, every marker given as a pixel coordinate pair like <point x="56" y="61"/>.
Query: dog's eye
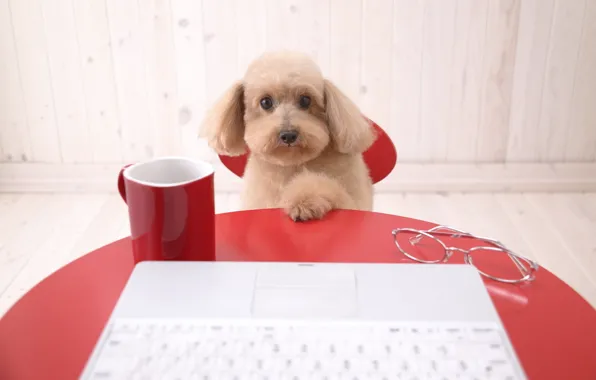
<point x="304" y="101"/>
<point x="266" y="103"/>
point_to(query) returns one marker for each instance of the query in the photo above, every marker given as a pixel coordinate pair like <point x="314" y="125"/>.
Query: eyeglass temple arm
<point x="523" y="270"/>
<point x="452" y="232"/>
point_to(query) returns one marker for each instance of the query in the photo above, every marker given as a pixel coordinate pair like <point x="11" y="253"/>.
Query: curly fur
<point x="324" y="168"/>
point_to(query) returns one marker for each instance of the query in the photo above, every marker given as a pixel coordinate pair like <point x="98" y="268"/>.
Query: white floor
<point x="39" y="233"/>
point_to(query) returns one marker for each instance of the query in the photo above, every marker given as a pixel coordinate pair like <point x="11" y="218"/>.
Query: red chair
<point x="380" y="157"/>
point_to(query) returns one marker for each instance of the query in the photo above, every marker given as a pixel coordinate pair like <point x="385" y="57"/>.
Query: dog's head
<point x="287" y="113"/>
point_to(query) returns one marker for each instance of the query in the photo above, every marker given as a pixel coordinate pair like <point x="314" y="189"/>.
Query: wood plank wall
<point x="452" y="81"/>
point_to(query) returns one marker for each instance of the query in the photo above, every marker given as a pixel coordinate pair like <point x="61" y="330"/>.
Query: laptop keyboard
<point x="167" y="349"/>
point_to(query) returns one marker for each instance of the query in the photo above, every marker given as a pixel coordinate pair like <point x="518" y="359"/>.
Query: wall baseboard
<point x="518" y="177"/>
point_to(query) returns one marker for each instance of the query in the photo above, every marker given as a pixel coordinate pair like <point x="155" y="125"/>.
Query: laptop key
<point x="194" y="350"/>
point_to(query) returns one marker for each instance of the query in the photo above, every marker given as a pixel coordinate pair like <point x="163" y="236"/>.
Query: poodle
<point x="305" y="138"/>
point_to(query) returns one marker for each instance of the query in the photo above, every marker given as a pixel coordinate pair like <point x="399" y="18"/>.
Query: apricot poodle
<point x="305" y="138"/>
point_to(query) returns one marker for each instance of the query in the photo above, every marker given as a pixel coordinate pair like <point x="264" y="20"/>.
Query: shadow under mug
<point x="171" y="208"/>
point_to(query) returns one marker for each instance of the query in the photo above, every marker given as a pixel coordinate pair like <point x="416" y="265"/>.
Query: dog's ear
<point x="224" y="125"/>
<point x="351" y="132"/>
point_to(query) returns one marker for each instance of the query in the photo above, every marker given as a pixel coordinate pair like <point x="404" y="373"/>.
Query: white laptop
<point x="295" y="321"/>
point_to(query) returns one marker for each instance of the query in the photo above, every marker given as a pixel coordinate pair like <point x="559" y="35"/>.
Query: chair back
<point x="380" y="157"/>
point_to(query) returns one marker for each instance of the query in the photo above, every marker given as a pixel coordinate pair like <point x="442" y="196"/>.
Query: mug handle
<point x="121" y="187"/>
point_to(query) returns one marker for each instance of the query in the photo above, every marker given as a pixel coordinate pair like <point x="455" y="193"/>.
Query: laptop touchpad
<point x="305" y="291"/>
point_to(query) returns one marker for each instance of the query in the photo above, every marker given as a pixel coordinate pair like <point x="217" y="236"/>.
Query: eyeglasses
<point x="426" y="247"/>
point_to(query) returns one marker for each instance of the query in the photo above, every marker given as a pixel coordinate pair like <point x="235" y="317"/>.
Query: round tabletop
<point x="50" y="332"/>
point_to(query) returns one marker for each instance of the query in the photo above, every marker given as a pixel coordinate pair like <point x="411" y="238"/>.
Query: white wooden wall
<point x="111" y="81"/>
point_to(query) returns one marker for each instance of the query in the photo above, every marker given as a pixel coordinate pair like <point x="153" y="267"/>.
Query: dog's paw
<point x="308" y="207"/>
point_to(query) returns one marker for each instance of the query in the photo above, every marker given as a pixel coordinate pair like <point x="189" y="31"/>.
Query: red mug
<point x="171" y="207"/>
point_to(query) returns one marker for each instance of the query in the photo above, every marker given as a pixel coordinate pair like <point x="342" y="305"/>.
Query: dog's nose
<point x="288" y="137"/>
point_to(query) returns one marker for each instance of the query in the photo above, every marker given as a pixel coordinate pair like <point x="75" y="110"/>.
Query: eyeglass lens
<point x="421" y="247"/>
<point x="498" y="263"/>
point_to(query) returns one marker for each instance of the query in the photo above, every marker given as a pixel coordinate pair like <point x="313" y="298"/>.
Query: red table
<point x="50" y="332"/>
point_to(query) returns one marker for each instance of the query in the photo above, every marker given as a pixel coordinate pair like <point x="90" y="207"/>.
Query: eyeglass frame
<point x="528" y="273"/>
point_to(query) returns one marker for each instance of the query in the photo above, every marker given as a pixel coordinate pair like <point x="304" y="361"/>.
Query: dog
<point x="304" y="135"/>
